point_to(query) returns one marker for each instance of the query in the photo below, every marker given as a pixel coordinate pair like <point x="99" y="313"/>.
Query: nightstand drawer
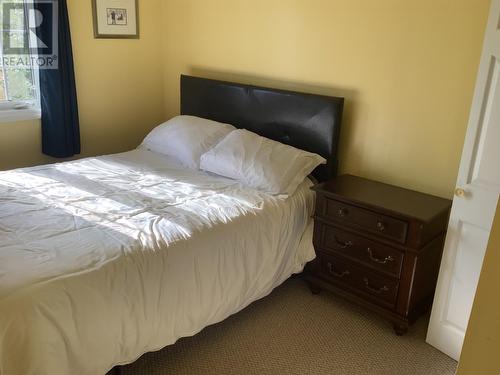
<point x="381" y="290"/>
<point x="370" y="221"/>
<point x="370" y="253"/>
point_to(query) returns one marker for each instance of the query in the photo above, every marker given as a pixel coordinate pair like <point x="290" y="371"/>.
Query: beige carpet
<point x="294" y="332"/>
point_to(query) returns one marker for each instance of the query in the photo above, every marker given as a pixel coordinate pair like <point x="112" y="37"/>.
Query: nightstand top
<point x="400" y="201"/>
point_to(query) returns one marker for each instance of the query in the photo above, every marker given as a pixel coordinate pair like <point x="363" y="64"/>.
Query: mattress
<point x="106" y="258"/>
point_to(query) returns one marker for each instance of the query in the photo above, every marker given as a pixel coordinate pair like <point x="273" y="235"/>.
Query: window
<point x="19" y="97"/>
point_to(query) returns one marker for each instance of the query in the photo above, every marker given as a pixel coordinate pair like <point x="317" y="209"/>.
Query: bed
<point x="104" y="259"/>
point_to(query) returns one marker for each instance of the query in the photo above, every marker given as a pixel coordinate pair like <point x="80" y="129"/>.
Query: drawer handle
<point x="379" y="260"/>
<point x="342" y="245"/>
<point x="375" y="290"/>
<point x="343" y="212"/>
<point x="332" y="271"/>
<point x="380" y="226"/>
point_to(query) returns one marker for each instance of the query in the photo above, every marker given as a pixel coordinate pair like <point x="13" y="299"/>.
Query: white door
<point x="474" y="203"/>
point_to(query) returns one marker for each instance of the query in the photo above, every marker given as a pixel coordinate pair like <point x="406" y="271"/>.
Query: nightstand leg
<point x="314" y="288"/>
<point x="400" y="328"/>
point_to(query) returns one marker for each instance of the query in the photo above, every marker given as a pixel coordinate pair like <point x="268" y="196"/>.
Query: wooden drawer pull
<point x="379" y="260"/>
<point x="343" y="245"/>
<point x="375" y="290"/>
<point x="332" y="271"/>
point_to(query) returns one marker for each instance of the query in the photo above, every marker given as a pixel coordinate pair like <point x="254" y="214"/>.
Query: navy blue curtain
<point x="60" y="124"/>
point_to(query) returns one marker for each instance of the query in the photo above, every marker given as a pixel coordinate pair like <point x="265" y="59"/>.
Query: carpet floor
<point x="295" y="332"/>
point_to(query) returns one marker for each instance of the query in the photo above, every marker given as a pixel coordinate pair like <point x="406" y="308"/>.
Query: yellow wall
<point x="407" y="69"/>
<point x="482" y="342"/>
<point x="120" y="90"/>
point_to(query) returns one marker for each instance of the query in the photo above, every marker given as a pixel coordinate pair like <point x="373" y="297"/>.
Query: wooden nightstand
<point x="378" y="245"/>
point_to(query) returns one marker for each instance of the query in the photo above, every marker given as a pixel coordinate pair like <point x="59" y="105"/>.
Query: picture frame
<point x="116" y="19"/>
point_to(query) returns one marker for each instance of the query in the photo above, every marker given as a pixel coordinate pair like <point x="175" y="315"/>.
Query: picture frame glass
<point x="115" y="18"/>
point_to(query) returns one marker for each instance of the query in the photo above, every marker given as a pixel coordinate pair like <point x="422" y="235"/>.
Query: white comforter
<point x="104" y="259"/>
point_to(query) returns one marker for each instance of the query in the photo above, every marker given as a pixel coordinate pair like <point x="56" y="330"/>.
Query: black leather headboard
<point x="306" y="121"/>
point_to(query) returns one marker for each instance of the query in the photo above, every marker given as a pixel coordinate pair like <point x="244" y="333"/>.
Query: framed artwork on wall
<point x="116" y="19"/>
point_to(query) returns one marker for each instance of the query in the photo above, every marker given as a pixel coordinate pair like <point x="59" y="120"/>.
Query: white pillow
<point x="186" y="138"/>
<point x="260" y="163"/>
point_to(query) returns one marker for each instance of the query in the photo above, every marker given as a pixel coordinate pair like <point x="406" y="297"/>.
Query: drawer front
<point x="370" y="221"/>
<point x="359" y="280"/>
<point x="370" y="253"/>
